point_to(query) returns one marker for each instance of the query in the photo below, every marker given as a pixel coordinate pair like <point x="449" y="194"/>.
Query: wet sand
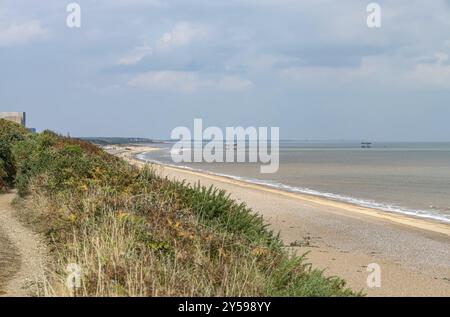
<point x="414" y="254"/>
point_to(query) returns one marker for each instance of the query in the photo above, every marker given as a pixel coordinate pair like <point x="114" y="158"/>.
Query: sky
<point x="140" y="68"/>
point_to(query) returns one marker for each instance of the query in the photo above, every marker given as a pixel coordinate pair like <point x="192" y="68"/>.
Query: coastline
<point x="340" y="237"/>
<point x="416" y="222"/>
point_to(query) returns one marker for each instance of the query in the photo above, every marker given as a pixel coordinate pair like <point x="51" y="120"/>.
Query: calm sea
<point x="407" y="178"/>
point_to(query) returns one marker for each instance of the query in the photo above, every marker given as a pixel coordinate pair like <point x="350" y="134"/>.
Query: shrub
<point x="137" y="234"/>
<point x="7" y="164"/>
<point x="3" y="176"/>
<point x="12" y="132"/>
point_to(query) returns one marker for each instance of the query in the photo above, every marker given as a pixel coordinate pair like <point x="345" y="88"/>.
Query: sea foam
<point x="391" y="208"/>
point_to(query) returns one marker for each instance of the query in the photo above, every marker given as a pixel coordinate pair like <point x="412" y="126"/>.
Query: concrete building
<point x="17" y="117"/>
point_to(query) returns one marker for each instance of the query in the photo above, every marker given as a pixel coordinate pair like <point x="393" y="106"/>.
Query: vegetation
<point x="9" y="134"/>
<point x="134" y="233"/>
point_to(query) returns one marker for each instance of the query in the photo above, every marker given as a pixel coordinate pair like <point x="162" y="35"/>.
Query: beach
<point x="341" y="238"/>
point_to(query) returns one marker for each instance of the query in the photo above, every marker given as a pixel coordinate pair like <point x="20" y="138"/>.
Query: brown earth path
<point x="21" y="252"/>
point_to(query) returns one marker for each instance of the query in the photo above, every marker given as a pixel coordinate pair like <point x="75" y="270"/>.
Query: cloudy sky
<point x="312" y="67"/>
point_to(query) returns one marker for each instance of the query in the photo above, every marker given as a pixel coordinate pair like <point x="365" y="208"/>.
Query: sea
<point x="407" y="178"/>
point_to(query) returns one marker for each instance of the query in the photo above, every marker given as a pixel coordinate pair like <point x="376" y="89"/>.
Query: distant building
<point x="17" y="117"/>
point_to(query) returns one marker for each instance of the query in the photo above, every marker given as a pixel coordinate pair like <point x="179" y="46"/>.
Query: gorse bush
<point x="7" y="166"/>
<point x="3" y="177"/>
<point x="10" y="133"/>
<point x="135" y="233"/>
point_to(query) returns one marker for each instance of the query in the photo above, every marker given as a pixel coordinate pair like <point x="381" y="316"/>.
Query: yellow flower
<point x="122" y="215"/>
<point x="260" y="251"/>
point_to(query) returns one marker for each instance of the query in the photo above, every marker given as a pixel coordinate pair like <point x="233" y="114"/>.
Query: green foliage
<point x="214" y="207"/>
<point x="12" y="132"/>
<point x="66" y="165"/>
<point x="3" y="176"/>
<point x="200" y="233"/>
<point x="7" y="167"/>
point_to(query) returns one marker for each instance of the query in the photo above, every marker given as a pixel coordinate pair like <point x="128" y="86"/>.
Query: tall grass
<point x="135" y="233"/>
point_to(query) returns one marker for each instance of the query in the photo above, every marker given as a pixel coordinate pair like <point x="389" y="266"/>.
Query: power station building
<point x="17" y="117"/>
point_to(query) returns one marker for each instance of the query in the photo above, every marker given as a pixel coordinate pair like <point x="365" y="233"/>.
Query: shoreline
<point x="428" y="224"/>
<point x="339" y="237"/>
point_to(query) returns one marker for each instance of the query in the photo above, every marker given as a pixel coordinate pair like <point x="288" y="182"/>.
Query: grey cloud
<point x="333" y="64"/>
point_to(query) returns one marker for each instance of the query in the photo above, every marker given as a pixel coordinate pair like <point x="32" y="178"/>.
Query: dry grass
<point x="164" y="253"/>
<point x="116" y="261"/>
<point x="134" y="233"/>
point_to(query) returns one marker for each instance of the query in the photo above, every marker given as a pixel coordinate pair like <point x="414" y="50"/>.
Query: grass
<point x="135" y="233"/>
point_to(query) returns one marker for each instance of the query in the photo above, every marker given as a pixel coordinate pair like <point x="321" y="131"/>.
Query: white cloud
<point x="136" y="55"/>
<point x="19" y="34"/>
<point x="186" y="82"/>
<point x="441" y="57"/>
<point x="321" y="74"/>
<point x="167" y="80"/>
<point x="128" y="3"/>
<point x="435" y="74"/>
<point x="183" y="34"/>
<point x="392" y="71"/>
<point x="233" y="83"/>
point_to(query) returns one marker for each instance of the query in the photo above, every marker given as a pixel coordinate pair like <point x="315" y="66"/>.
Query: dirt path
<point x="21" y="253"/>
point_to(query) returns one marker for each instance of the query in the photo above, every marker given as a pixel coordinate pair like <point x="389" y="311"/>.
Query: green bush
<point x="66" y="165"/>
<point x="3" y="176"/>
<point x="182" y="239"/>
<point x="12" y="132"/>
<point x="7" y="166"/>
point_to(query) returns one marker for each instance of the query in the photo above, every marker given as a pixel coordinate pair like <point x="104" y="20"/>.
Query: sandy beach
<point x="342" y="239"/>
